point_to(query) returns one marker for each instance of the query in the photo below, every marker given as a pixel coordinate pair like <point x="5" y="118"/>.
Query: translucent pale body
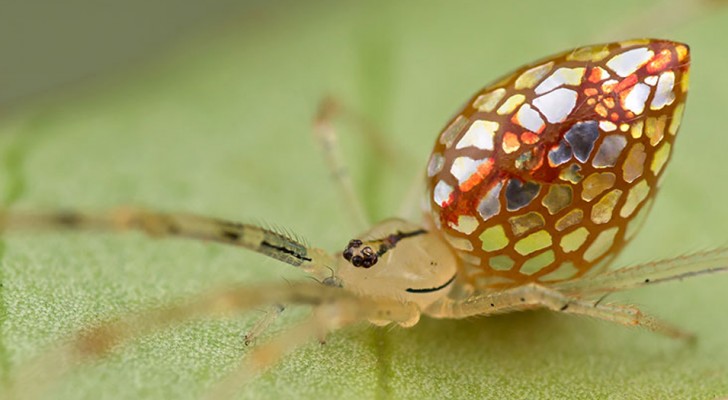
<point x="409" y="266"/>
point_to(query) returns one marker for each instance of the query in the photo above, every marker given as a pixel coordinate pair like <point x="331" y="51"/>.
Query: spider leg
<point x="536" y="296"/>
<point x="331" y="108"/>
<point x="325" y="319"/>
<point x="677" y="268"/>
<point x="334" y="308"/>
<point x="273" y="244"/>
<point x="327" y="137"/>
<point x="265" y="356"/>
<point x="271" y="314"/>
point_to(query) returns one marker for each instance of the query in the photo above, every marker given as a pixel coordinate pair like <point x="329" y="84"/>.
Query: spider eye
<point x="360" y="256"/>
<point x="349" y="250"/>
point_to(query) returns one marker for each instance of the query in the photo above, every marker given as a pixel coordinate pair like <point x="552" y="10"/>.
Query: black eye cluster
<point x="360" y="256"/>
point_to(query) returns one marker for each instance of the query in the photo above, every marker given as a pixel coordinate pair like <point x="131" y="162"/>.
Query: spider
<point x="533" y="188"/>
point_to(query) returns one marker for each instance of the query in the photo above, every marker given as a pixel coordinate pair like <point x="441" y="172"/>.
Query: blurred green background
<point x="206" y="107"/>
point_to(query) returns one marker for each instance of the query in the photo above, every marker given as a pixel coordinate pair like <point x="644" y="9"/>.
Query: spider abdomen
<point x="547" y="173"/>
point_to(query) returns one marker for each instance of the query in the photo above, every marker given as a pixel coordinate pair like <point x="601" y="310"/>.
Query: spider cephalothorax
<point x="411" y="263"/>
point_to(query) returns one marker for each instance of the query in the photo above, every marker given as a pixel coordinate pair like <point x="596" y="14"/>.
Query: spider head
<point x="398" y="259"/>
<point x="360" y="255"/>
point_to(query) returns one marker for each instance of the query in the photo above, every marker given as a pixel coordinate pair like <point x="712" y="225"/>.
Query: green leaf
<point x="221" y="126"/>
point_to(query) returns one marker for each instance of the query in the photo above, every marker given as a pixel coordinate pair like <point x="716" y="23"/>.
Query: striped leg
<point x="536" y="296"/>
<point x="157" y="224"/>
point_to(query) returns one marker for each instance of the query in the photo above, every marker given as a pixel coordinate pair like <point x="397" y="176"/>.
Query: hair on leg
<point x="335" y="307"/>
<point x="537" y="296"/>
<point x="159" y="224"/>
<point x="271" y="314"/>
<point x="672" y="269"/>
<point x="325" y="319"/>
